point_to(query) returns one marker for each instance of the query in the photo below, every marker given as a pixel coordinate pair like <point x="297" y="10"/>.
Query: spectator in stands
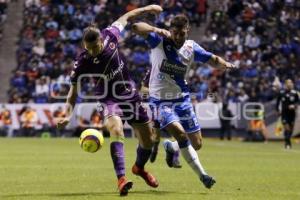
<point x="96" y="120"/>
<point x="202" y="7"/>
<point x="29" y="120"/>
<point x="5" y="122"/>
<point x="41" y="90"/>
<point x="59" y="113"/>
<point x="265" y="41"/>
<point x="82" y="124"/>
<point x="225" y="116"/>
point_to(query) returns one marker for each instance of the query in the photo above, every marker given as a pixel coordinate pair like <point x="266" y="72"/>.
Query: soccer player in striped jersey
<point x="172" y="55"/>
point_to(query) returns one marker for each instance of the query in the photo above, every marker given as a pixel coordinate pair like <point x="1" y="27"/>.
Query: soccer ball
<point x="91" y="140"/>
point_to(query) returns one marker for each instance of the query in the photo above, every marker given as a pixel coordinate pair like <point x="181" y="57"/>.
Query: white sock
<point x="172" y="145"/>
<point x="175" y="146"/>
<point x="191" y="157"/>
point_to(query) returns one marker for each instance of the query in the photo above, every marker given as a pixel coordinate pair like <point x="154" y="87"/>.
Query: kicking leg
<point x="115" y="127"/>
<point x="189" y="153"/>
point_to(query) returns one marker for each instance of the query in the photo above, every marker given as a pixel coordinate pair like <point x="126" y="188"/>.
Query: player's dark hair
<point x="180" y="21"/>
<point x="91" y="34"/>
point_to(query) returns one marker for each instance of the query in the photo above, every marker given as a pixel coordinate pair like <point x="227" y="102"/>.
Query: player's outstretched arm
<point x="70" y="102"/>
<point x="123" y="20"/>
<point x="143" y="29"/>
<point x="220" y="62"/>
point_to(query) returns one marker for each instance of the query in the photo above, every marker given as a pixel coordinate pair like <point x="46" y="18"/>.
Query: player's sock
<point x="191" y="157"/>
<point x="154" y="151"/>
<point x="117" y="155"/>
<point x="155" y="146"/>
<point x="287" y="139"/>
<point x="172" y="145"/>
<point x="142" y="156"/>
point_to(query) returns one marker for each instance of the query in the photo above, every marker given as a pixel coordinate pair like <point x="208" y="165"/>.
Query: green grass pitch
<point x="38" y="169"/>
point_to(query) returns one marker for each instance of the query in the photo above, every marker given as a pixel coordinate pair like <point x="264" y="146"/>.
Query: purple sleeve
<point x="116" y="29"/>
<point x="78" y="69"/>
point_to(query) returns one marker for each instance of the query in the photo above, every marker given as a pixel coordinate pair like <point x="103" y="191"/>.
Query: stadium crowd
<point x="261" y="37"/>
<point x="3" y="16"/>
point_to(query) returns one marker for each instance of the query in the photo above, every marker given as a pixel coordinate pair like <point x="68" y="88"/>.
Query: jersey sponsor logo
<point x="172" y="68"/>
<point x="111" y="75"/>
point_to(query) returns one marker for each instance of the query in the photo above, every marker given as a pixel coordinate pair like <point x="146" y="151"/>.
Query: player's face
<point x="179" y="36"/>
<point x="94" y="48"/>
<point x="289" y="84"/>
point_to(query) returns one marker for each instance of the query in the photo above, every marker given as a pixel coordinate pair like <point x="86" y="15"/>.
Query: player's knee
<point x="197" y="146"/>
<point x="181" y="137"/>
<point x="116" y="130"/>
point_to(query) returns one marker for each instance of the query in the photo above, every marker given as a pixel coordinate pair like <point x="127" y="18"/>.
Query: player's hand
<point x="229" y="65"/>
<point x="163" y="32"/>
<point x="155" y="9"/>
<point x="62" y="123"/>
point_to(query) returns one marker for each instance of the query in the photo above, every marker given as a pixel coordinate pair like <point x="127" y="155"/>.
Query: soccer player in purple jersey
<point x="119" y="98"/>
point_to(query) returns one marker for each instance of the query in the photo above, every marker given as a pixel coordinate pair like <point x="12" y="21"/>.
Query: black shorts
<point x="288" y="118"/>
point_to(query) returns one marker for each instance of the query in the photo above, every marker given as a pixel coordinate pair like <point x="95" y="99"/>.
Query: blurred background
<point x="40" y="38"/>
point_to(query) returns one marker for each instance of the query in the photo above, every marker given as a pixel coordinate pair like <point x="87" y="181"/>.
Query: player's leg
<point x="156" y="141"/>
<point x="287" y="135"/>
<point x="188" y="152"/>
<point x="143" y="131"/>
<point x="115" y="127"/>
<point x="196" y="139"/>
<point x="288" y="124"/>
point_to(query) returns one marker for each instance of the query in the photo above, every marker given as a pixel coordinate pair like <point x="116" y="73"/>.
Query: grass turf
<point x="37" y="169"/>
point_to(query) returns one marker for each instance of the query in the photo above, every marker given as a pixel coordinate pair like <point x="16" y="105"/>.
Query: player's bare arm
<point x="70" y="102"/>
<point x="123" y="20"/>
<point x="143" y="29"/>
<point x="217" y="61"/>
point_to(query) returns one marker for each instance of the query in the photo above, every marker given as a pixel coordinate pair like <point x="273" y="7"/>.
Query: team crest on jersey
<point x="96" y="61"/>
<point x="187" y="53"/>
<point x="168" y="47"/>
<point x="75" y="64"/>
<point x="112" y="46"/>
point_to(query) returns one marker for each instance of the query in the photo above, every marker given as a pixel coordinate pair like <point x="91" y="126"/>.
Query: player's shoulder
<point x="82" y="56"/>
<point x="189" y="44"/>
<point x="194" y="45"/>
<point x="112" y="32"/>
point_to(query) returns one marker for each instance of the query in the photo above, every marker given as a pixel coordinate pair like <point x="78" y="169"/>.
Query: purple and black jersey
<point x="114" y="87"/>
<point x="108" y="69"/>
